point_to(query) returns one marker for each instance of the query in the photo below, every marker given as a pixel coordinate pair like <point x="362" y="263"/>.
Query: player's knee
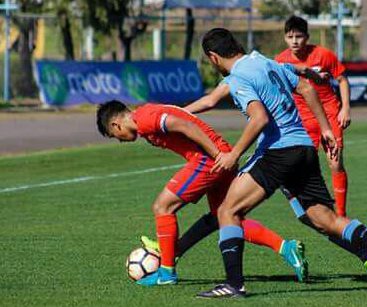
<point x="160" y="209"/>
<point x="225" y="212"/>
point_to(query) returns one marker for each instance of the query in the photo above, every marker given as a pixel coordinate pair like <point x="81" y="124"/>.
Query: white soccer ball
<point x="142" y="262"/>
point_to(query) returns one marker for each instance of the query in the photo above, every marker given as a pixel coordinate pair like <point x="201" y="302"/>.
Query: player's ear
<point x="214" y="57"/>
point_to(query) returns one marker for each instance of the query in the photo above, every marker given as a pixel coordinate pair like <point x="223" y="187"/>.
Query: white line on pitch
<point x="88" y="178"/>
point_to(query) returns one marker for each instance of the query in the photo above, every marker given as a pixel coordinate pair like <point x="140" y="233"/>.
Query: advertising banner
<point x="357" y="77"/>
<point x="65" y="83"/>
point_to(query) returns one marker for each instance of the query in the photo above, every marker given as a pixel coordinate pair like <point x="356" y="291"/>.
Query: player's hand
<point x="330" y="144"/>
<point x="344" y="118"/>
<point x="224" y="161"/>
<point x="317" y="77"/>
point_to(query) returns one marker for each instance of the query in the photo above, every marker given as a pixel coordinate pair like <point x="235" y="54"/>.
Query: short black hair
<point x="106" y="111"/>
<point x="222" y="42"/>
<point x="296" y="23"/>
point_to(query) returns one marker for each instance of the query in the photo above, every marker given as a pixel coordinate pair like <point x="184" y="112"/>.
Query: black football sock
<point x="202" y="228"/>
<point x="344" y="244"/>
<point x="356" y="233"/>
<point x="231" y="245"/>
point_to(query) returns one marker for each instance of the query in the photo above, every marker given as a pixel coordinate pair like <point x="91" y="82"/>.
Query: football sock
<point x="231" y="244"/>
<point x="346" y="245"/>
<point x="356" y="233"/>
<point x="203" y="227"/>
<point x="340" y="186"/>
<point x="257" y="233"/>
<point x="167" y="232"/>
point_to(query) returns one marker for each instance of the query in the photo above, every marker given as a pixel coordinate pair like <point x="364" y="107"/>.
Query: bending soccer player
<point x="285" y="155"/>
<point x="178" y="130"/>
<point x="324" y="62"/>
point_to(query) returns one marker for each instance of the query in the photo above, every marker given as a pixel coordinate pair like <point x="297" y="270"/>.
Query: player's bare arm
<point x="344" y="118"/>
<point x="209" y="101"/>
<point x="313" y="101"/>
<point x="193" y="132"/>
<point x="259" y="119"/>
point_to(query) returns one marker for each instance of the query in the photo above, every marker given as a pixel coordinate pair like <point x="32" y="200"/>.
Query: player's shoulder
<point x="148" y="110"/>
<point x="320" y="50"/>
<point x="284" y="56"/>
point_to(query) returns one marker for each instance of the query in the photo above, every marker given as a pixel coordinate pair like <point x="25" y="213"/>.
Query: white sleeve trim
<point x="163" y="122"/>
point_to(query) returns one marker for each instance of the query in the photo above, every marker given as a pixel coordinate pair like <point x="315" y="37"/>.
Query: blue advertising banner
<point x="65" y="83"/>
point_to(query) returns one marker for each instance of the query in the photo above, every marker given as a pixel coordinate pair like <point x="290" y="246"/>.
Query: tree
<point x="107" y="16"/>
<point x="25" y="85"/>
<point x="274" y="8"/>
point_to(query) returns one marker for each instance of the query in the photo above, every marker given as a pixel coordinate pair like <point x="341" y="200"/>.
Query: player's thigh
<point x="307" y="183"/>
<point x="217" y="193"/>
<point x="337" y="163"/>
<point x="192" y="182"/>
<point x="167" y="202"/>
<point x="338" y="131"/>
<point x="313" y="130"/>
<point x="243" y="195"/>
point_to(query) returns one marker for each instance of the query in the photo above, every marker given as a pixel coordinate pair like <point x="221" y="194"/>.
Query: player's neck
<point x="129" y="122"/>
<point x="300" y="54"/>
<point x="228" y="63"/>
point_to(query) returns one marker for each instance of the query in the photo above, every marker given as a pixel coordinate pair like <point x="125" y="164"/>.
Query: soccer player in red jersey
<point x="173" y="128"/>
<point x="324" y="62"/>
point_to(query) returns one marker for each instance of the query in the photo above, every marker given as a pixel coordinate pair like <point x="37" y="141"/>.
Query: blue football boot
<point x="163" y="276"/>
<point x="293" y="252"/>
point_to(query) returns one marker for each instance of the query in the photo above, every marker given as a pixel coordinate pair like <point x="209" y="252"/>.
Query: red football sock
<point x="167" y="233"/>
<point x="257" y="233"/>
<point x="340" y="185"/>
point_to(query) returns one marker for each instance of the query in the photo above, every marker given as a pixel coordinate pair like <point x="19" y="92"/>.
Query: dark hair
<point x="222" y="42"/>
<point x="106" y="111"/>
<point x="296" y="23"/>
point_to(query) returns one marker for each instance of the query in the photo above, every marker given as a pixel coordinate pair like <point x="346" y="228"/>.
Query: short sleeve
<point x="150" y="120"/>
<point x="244" y="94"/>
<point x="332" y="64"/>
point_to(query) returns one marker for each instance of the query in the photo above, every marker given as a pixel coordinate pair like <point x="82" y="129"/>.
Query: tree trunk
<point x="24" y="83"/>
<point x="190" y="28"/>
<point x="66" y="35"/>
<point x="127" y="46"/>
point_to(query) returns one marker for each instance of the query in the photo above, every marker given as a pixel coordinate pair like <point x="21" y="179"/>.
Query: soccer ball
<point x="142" y="262"/>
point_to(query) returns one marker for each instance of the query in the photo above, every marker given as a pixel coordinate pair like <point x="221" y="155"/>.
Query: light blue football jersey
<point x="255" y="77"/>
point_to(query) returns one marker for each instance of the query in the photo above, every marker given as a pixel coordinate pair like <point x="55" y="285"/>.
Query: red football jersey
<point x="321" y="60"/>
<point x="151" y="118"/>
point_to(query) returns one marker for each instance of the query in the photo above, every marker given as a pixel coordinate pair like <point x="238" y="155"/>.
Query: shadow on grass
<point x="313" y="279"/>
<point x="308" y="290"/>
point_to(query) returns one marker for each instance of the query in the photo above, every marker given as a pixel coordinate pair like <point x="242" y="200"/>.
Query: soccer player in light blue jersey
<point x="285" y="155"/>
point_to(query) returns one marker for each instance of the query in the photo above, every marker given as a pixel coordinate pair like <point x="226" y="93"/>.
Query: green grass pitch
<point x="66" y="244"/>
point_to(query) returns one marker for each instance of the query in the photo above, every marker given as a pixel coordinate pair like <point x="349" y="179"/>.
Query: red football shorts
<point x="194" y="180"/>
<point x="313" y="129"/>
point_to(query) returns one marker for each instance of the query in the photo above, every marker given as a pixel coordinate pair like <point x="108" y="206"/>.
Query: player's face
<point x="216" y="61"/>
<point x="119" y="130"/>
<point x="296" y="40"/>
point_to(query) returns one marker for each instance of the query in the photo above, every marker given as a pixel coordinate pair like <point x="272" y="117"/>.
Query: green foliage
<point x="274" y="9"/>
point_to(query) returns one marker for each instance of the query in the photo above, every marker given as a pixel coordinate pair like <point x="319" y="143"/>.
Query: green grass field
<point x="65" y="243"/>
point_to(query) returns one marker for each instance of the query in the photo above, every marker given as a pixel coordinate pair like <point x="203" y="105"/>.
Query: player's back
<point x="255" y="77"/>
<point x="151" y="118"/>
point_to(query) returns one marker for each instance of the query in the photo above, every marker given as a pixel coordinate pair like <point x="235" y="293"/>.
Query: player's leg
<point x="301" y="215"/>
<point x="164" y="208"/>
<point x="255" y="233"/>
<point x="350" y="231"/>
<point x="243" y="195"/>
<point x="339" y="179"/>
<point x="314" y="201"/>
